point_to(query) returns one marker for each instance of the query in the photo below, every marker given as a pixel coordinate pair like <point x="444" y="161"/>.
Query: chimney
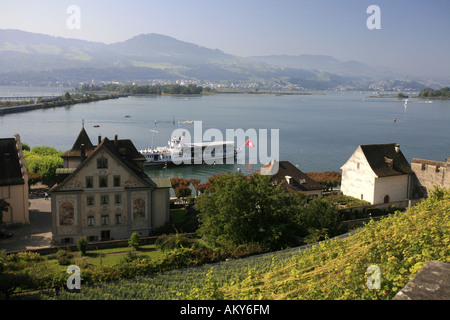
<point x="99" y="139"/>
<point x="83" y="153"/>
<point x="397" y="148"/>
<point x="116" y="138"/>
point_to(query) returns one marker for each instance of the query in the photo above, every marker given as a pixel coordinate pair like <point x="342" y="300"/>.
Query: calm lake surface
<point x="317" y="132"/>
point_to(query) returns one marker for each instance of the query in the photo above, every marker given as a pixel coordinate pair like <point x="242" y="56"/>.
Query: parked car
<point x="5" y="234"/>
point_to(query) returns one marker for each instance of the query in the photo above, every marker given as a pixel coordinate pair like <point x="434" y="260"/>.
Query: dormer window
<point x="102" y="163"/>
<point x="389" y="162"/>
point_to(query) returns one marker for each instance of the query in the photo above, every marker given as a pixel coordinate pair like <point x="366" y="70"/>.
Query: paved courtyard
<point x="36" y="235"/>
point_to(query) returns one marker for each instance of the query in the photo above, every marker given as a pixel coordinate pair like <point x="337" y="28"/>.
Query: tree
<point x="183" y="191"/>
<point x="67" y="96"/>
<point x="240" y="210"/>
<point x="319" y="217"/>
<point x="82" y="244"/>
<point x="179" y="181"/>
<point x="135" y="240"/>
<point x="43" y="162"/>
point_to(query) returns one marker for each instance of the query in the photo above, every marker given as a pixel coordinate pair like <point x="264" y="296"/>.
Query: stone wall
<point x="428" y="174"/>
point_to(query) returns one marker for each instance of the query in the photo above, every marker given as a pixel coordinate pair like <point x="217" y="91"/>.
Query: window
<point x="89" y="182"/>
<point x="6" y="193"/>
<point x="90" y="221"/>
<point x="103" y="181"/>
<point x="66" y="241"/>
<point x="105" y="235"/>
<point x="362" y="196"/>
<point x="117" y="199"/>
<point x="104" y="199"/>
<point x="105" y="220"/>
<point x="90" y="200"/>
<point x="102" y="163"/>
<point x="116" y="181"/>
<point x="357" y="165"/>
<point x="118" y="218"/>
<point x="92" y="238"/>
<point x="424" y="166"/>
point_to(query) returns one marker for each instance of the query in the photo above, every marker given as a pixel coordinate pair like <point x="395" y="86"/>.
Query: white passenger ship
<point x="180" y="153"/>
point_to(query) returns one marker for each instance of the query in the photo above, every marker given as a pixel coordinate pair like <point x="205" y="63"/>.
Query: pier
<point x="28" y="98"/>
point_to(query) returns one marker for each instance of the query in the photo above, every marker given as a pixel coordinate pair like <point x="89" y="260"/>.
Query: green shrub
<point x="82" y="244"/>
<point x="28" y="256"/>
<point x="64" y="257"/>
<point x="135" y="240"/>
<point x="174" y="241"/>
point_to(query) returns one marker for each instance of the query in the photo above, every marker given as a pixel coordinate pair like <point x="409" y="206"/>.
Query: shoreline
<point x="55" y="103"/>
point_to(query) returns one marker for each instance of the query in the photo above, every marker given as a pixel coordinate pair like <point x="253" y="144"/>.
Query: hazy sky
<point x="414" y="34"/>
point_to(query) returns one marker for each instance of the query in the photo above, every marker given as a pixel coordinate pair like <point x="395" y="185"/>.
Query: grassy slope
<point x="399" y="245"/>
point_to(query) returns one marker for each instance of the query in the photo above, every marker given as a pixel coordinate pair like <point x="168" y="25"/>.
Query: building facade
<point x="14" y="181"/>
<point x="377" y="173"/>
<point x="107" y="196"/>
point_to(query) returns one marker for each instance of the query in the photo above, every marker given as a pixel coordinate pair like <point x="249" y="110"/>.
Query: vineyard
<point x="400" y="245"/>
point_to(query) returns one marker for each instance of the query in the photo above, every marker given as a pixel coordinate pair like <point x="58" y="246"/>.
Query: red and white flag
<point x="250" y="144"/>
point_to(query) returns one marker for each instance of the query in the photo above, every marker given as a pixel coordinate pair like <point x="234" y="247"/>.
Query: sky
<point x="413" y="36"/>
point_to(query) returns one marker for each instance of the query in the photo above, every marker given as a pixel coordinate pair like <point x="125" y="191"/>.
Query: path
<point x="39" y="233"/>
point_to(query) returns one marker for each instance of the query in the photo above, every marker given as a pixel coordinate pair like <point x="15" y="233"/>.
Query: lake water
<point x="317" y="132"/>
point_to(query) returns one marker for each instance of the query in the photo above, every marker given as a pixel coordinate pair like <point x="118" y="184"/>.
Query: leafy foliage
<point x="135" y="240"/>
<point x="430" y="93"/>
<point x="42" y="162"/>
<point x="238" y="210"/>
<point x="146" y="89"/>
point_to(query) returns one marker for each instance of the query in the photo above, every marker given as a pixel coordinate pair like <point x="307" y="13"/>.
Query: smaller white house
<point x="377" y="173"/>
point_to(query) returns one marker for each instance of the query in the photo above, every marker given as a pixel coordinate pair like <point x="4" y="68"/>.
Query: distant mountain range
<point x="30" y="58"/>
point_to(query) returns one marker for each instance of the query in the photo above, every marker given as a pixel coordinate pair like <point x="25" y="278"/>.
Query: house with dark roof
<point x="14" y="181"/>
<point x="291" y="178"/>
<point x="377" y="173"/>
<point x="104" y="193"/>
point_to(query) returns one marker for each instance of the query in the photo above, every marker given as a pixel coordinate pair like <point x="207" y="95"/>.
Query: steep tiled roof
<point x="385" y="161"/>
<point x="83" y="139"/>
<point x="299" y="180"/>
<point x="10" y="170"/>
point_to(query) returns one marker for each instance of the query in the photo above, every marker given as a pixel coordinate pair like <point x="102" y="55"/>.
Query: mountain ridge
<point x="25" y="55"/>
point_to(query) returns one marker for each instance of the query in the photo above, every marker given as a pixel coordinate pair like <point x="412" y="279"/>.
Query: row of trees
<point x="147" y="89"/>
<point x="430" y="93"/>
